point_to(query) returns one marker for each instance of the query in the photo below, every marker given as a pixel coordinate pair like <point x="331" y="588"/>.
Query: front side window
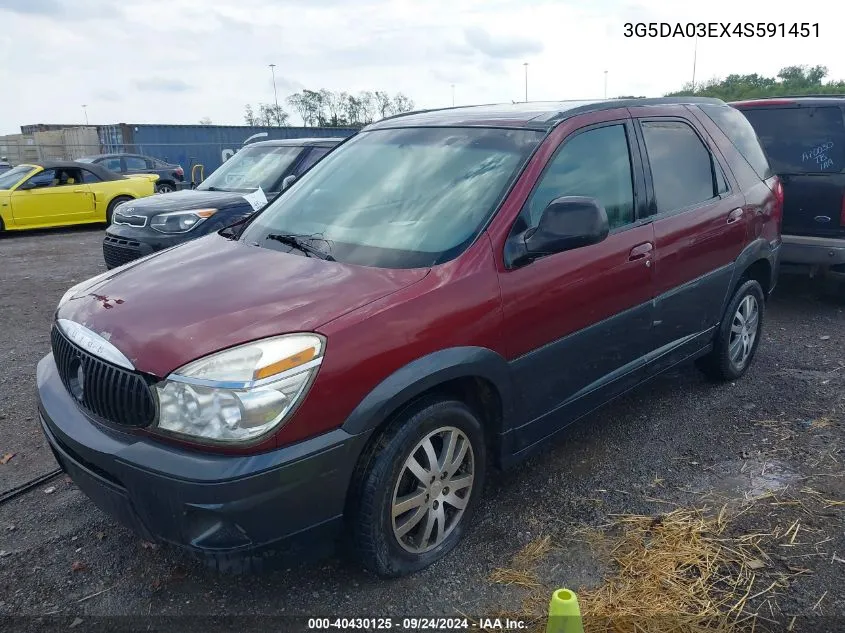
<point x="9" y="179"/>
<point x="253" y="167"/>
<point x="803" y="140"/>
<point x="596" y="164"/>
<point x="399" y="198"/>
<point x="112" y="164"/>
<point x="681" y="166"/>
<point x="46" y="178"/>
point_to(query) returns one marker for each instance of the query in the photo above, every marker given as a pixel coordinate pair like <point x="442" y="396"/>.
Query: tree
<point x="401" y="104"/>
<point x="272" y="115"/>
<point x="790" y="80"/>
<point x="249" y="116"/>
<point x="206" y="121"/>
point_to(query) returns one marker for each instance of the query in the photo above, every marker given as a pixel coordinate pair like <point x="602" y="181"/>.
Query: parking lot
<point x="777" y="434"/>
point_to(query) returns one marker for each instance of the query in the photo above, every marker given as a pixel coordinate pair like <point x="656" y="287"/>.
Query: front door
<point x="578" y="323"/>
<point x="700" y="227"/>
<point x="55" y="197"/>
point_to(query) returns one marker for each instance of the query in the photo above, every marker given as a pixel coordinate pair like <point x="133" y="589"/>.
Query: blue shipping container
<point x="207" y="145"/>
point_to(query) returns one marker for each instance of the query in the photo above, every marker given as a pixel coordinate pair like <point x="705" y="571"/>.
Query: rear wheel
<point x="419" y="488"/>
<point x="738" y="336"/>
<point x="113" y="205"/>
<point x="165" y="187"/>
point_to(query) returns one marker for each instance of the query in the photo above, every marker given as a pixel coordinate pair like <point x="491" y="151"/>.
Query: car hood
<point x="182" y="200"/>
<point x="212" y="293"/>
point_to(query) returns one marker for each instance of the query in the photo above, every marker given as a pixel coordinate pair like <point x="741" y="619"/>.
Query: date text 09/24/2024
<point x="721" y="29"/>
<point x="415" y="624"/>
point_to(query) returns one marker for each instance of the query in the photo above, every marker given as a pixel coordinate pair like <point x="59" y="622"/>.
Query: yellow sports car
<point x="61" y="193"/>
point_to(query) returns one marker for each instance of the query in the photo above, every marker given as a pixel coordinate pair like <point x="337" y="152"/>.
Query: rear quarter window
<point x="801" y="140"/>
<point x="742" y="134"/>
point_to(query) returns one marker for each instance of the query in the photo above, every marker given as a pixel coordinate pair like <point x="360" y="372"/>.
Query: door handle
<point x="735" y="215"/>
<point x="640" y="251"/>
<point x="79" y="191"/>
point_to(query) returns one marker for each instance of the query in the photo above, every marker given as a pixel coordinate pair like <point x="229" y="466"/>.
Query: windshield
<point x="9" y="179"/>
<point x="402" y="198"/>
<point x="253" y="167"/>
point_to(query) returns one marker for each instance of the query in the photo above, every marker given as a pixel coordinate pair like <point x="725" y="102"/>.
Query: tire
<point x="113" y="205"/>
<point x="735" y="346"/>
<point x="384" y="476"/>
<point x="165" y="187"/>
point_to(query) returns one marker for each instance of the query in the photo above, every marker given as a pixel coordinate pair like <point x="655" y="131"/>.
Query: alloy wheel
<point x="744" y="331"/>
<point x="433" y="490"/>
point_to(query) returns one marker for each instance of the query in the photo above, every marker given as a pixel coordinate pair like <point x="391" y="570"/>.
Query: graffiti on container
<point x="226" y="154"/>
<point x="819" y="155"/>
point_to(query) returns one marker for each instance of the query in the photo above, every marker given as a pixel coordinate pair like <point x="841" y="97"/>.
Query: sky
<point x="179" y="61"/>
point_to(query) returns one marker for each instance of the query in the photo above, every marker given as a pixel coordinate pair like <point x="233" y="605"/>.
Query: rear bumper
<point x="203" y="502"/>
<point x="813" y="251"/>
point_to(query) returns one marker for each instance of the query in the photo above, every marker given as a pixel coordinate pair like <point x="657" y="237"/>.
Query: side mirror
<point x="567" y="223"/>
<point x="288" y="181"/>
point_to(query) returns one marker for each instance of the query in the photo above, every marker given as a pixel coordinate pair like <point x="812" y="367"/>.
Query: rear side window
<point x="740" y="132"/>
<point x="681" y="166"/>
<point x="112" y="164"/>
<point x="134" y="162"/>
<point x="801" y="140"/>
<point x="89" y="177"/>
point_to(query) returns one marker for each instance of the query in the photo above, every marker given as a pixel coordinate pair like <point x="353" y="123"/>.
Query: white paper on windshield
<point x="256" y="199"/>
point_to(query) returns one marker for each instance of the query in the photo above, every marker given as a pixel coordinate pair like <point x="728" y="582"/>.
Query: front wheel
<point x="738" y="336"/>
<point x="417" y="494"/>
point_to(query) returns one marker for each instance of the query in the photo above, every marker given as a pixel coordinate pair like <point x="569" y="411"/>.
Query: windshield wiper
<point x="299" y="242"/>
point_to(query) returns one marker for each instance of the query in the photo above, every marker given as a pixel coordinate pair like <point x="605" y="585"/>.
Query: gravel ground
<point x="679" y="440"/>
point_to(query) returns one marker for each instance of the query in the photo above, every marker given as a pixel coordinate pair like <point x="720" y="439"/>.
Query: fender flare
<point x="758" y="249"/>
<point x="427" y="372"/>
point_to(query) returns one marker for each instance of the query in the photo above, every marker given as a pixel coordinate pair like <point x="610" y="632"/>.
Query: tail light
<point x="776" y="186"/>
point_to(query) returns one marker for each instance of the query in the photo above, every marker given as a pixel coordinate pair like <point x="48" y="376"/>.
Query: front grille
<point x="117" y="251"/>
<point x="109" y="392"/>
<point x="129" y="220"/>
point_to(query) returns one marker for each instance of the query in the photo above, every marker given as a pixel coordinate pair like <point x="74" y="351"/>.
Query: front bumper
<point x="123" y="244"/>
<point x="208" y="503"/>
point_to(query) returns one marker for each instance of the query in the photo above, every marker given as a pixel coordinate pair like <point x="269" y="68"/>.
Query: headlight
<point x="82" y="286"/>
<point x="240" y="393"/>
<point x="180" y="221"/>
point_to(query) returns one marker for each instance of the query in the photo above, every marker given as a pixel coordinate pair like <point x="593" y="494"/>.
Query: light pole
<point x="275" y="94"/>
<point x="526" y="81"/>
<point x="694" y="59"/>
<point x="453" y="95"/>
<point x="605" y="84"/>
<point x="85" y="111"/>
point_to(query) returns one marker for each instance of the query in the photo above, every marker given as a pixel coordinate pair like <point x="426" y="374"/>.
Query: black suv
<point x="804" y="138"/>
<point x="169" y="175"/>
<point x="234" y="191"/>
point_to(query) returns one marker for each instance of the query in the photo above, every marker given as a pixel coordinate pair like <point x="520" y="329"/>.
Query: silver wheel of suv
<point x="744" y="331"/>
<point x="433" y="489"/>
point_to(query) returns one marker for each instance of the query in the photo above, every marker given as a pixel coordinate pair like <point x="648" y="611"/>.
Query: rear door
<point x="806" y="148"/>
<point x="700" y="227"/>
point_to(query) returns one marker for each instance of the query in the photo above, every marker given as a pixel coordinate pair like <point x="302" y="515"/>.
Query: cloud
<point x="60" y="8"/>
<point x="162" y="84"/>
<point x="501" y="47"/>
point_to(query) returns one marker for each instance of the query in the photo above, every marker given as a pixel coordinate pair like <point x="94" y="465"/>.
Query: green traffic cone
<point x="564" y="613"/>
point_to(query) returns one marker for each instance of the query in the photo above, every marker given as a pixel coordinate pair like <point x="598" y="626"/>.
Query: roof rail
<point x="813" y="96"/>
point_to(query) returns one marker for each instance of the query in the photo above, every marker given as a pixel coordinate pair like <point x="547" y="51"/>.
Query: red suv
<point x="445" y="292"/>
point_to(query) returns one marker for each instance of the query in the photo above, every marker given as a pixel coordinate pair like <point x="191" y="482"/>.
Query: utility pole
<point x="526" y="81"/>
<point x="85" y="111"/>
<point x="276" y="95"/>
<point x="605" y="84"/>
